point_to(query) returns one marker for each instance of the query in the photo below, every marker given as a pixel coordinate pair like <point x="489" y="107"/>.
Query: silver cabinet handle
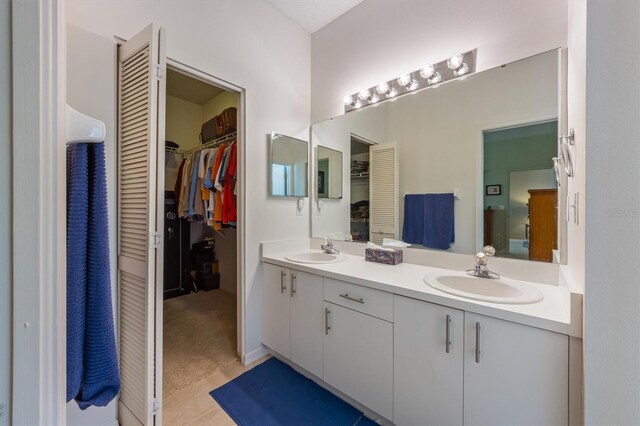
<point x="294" y="281"/>
<point x="326" y="321"/>
<point x="478" y="342"/>
<point x="448" y="334"/>
<point x="355" y="299"/>
<point x="283" y="284"/>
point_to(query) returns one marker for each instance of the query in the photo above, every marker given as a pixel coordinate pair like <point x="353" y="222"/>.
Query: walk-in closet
<point x="200" y="231"/>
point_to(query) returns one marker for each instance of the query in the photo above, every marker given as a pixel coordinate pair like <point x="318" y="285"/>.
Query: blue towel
<point x="77" y="232"/>
<point x="98" y="359"/>
<point x="413" y="225"/>
<point x="429" y="220"/>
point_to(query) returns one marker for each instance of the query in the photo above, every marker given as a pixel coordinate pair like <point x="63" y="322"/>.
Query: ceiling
<point x="190" y="89"/>
<point x="314" y="14"/>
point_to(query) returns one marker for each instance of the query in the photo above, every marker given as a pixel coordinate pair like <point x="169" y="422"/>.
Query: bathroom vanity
<point x="414" y="354"/>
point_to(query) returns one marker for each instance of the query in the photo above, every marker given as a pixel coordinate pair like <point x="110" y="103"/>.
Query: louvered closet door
<point x="141" y="127"/>
<point x="383" y="191"/>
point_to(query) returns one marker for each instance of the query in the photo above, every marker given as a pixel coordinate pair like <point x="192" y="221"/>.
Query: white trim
<point x="241" y="193"/>
<point x="255" y="355"/>
<point x="39" y="253"/>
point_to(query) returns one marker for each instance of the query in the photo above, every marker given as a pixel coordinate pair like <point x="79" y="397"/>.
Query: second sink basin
<point x="502" y="290"/>
<point x="315" y="256"/>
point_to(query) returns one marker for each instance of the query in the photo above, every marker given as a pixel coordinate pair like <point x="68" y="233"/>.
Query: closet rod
<point x="213" y="143"/>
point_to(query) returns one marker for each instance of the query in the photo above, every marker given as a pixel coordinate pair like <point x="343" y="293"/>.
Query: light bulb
<point x="364" y="94"/>
<point x="435" y="78"/>
<point x="455" y="61"/>
<point x="414" y="85"/>
<point x="392" y="93"/>
<point x="382" y="88"/>
<point x="464" y="68"/>
<point x="404" y="79"/>
<point x="374" y="99"/>
<point x="427" y="71"/>
<point x="348" y="100"/>
<point x="358" y="104"/>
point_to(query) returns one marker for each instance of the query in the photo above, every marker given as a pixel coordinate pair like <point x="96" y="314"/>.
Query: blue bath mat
<point x="274" y="394"/>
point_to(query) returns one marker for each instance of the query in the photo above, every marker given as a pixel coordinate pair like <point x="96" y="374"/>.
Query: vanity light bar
<point x="430" y="75"/>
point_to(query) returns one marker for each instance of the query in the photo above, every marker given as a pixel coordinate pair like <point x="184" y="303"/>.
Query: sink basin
<point x="502" y="290"/>
<point x="315" y="256"/>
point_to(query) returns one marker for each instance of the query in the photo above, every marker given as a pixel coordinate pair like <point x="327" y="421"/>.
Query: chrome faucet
<point x="328" y="248"/>
<point x="481" y="269"/>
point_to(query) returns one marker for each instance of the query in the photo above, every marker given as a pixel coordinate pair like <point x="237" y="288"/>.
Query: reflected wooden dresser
<point x="543" y="224"/>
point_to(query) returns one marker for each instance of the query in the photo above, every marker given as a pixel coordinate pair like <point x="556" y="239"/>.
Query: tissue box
<point x="383" y="256"/>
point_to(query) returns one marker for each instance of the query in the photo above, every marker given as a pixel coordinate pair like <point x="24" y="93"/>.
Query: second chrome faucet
<point x="481" y="269"/>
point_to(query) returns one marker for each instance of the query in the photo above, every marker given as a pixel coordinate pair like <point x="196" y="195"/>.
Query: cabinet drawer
<point x="362" y="299"/>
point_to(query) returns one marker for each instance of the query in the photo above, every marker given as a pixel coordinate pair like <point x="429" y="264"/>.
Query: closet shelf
<point x="359" y="175"/>
<point x="211" y="144"/>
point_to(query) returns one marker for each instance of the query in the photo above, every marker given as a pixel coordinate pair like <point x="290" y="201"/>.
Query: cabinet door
<point x="307" y="321"/>
<point x="358" y="357"/>
<point x="514" y="374"/>
<point x="275" y="308"/>
<point x="427" y="370"/>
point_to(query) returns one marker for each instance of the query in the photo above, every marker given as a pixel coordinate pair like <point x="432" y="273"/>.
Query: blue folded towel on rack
<point x="429" y="220"/>
<point x="93" y="377"/>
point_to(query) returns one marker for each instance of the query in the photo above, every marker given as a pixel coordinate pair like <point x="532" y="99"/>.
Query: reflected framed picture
<point x="493" y="189"/>
<point x="321" y="182"/>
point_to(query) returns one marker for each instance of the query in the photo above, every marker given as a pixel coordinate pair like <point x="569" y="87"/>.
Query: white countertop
<point x="553" y="313"/>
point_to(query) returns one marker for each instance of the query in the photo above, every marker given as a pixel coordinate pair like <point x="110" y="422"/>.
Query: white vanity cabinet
<point x="358" y="344"/>
<point x="292" y="316"/>
<point x="358" y="357"/>
<point x="276" y="332"/>
<point x="428" y="361"/>
<point x="514" y="374"/>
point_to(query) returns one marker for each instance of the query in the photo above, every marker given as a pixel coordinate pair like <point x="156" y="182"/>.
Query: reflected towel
<point x="92" y="315"/>
<point x="429" y="220"/>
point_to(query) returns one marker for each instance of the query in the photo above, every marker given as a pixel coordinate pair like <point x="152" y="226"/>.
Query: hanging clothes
<point x="206" y="187"/>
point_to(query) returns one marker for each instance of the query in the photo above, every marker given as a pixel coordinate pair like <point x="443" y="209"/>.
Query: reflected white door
<point x="383" y="192"/>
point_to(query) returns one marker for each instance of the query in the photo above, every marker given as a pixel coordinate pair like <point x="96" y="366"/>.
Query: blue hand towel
<point x="413" y="225"/>
<point x="77" y="232"/>
<point x="98" y="360"/>
<point x="439" y="227"/>
<point x="429" y="220"/>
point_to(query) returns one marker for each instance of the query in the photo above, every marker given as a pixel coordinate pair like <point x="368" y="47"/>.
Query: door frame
<point x="38" y="258"/>
<point x="193" y="72"/>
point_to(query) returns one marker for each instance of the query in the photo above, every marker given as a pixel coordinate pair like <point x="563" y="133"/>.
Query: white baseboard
<point x="255" y="355"/>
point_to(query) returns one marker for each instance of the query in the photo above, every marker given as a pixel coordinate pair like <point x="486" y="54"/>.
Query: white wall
<point x="254" y="46"/>
<point x="378" y="40"/>
<point x="5" y="218"/>
<point x="218" y="104"/>
<point x="439" y="136"/>
<point x="91" y="77"/>
<point x="612" y="287"/>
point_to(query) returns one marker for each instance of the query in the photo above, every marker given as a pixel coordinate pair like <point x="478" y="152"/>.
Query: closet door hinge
<point x="158" y="72"/>
<point x="155" y="406"/>
<point x="154" y="240"/>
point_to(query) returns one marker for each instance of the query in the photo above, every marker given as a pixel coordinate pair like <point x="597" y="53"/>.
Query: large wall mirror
<point x="454" y="167"/>
<point x="289" y="166"/>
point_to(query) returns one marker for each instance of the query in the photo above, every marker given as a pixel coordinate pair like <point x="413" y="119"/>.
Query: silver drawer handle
<point x="294" y="281"/>
<point x="354" y="299"/>
<point x="448" y="334"/>
<point x="326" y="321"/>
<point x="283" y="285"/>
<point x="478" y="342"/>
